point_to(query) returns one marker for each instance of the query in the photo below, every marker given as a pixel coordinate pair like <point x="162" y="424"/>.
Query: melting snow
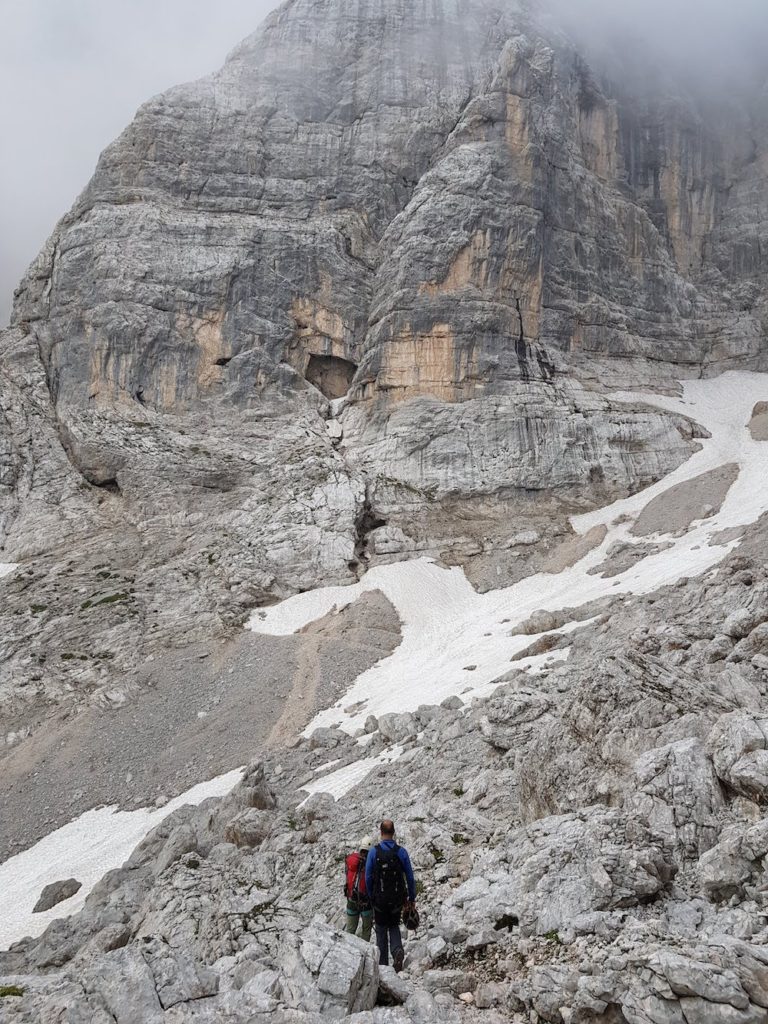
<point x="340" y="782"/>
<point x="447" y="625"/>
<point x="85" y="849"/>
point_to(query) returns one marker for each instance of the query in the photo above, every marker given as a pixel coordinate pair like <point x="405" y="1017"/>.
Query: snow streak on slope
<point x="447" y="626"/>
<point x="85" y="849"/>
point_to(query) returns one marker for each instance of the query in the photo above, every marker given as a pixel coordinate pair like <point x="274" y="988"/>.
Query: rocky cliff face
<point x="438" y="215"/>
<point x="369" y="292"/>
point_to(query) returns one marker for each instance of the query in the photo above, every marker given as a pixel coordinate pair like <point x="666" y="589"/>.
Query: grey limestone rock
<point x="55" y="893"/>
<point x="739" y="744"/>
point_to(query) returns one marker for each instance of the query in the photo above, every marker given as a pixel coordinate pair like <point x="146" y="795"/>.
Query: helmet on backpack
<point x="411" y="918"/>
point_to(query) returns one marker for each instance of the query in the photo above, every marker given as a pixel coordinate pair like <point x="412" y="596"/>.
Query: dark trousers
<point x="388" y="937"/>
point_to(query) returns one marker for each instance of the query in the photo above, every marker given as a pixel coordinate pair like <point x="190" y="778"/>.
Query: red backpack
<point x="355" y="886"/>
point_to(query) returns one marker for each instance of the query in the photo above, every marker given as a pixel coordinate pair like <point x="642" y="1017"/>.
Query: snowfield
<point x="454" y="640"/>
<point x="85" y="849"/>
<point x="447" y="626"/>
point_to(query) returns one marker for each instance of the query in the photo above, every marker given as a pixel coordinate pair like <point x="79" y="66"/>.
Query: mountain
<point x="429" y="345"/>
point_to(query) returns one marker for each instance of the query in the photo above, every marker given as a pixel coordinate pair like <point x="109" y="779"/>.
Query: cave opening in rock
<point x="330" y="374"/>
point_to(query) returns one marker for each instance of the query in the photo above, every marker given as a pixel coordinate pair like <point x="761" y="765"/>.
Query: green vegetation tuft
<point x="10" y="990"/>
<point x="553" y="937"/>
<point x="459" y="839"/>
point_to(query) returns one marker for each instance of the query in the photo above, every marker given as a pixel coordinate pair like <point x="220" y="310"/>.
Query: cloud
<point x="711" y="44"/>
<point x="72" y="75"/>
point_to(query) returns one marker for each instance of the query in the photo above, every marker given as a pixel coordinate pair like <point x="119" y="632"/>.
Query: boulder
<point x="56" y="892"/>
<point x="739" y="746"/>
<point x="328" y="972"/>
<point x="183" y="839"/>
<point x="254" y="790"/>
<point x="678" y="793"/>
<point x="177" y="978"/>
<point x="725" y="869"/>
<point x="248" y="828"/>
<point x="548" y="873"/>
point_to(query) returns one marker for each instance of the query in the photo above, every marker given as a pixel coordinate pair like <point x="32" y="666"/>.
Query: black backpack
<point x="388" y="879"/>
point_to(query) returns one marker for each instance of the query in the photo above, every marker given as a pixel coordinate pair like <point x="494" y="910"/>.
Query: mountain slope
<point x="404" y="282"/>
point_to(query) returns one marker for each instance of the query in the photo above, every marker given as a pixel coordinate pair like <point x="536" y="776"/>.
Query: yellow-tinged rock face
<point x="430" y="363"/>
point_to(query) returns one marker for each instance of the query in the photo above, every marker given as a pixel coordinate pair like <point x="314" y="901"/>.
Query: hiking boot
<point x="397" y="960"/>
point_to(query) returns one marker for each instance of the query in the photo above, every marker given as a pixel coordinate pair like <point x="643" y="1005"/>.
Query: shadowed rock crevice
<point x="367" y="521"/>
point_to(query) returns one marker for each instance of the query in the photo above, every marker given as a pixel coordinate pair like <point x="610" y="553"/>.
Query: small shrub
<point x="459" y="791"/>
<point x="552" y="936"/>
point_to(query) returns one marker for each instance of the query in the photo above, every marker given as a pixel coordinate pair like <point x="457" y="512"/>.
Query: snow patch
<point x="339" y="783"/>
<point x="85" y="849"/>
<point x="446" y="625"/>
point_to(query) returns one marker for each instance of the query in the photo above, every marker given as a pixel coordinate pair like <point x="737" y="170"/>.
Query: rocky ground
<point x="589" y="845"/>
<point x="184" y="717"/>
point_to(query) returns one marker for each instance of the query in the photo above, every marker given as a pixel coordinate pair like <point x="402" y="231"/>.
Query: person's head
<point x="365" y="845"/>
<point x="387" y="829"/>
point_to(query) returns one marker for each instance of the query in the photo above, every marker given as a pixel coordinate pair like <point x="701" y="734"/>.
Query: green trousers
<point x="355" y="916"/>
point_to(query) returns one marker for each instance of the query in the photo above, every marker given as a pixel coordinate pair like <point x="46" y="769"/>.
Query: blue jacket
<point x="405" y="860"/>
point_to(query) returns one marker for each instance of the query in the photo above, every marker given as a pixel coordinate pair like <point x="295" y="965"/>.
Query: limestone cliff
<point x="364" y="291"/>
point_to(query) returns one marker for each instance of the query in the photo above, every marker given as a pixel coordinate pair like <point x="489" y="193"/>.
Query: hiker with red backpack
<point x="359" y="908"/>
<point x="391" y="886"/>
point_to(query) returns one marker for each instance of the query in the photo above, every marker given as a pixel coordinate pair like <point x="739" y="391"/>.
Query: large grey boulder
<point x="739" y="745"/>
<point x="124" y="981"/>
<point x="678" y="793"/>
<point x="736" y="860"/>
<point x="328" y="972"/>
<point x="176" y="977"/>
<point x="56" y="892"/>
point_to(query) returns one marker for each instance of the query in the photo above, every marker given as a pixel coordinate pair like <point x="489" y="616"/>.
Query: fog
<point x="709" y="45"/>
<point x="72" y="73"/>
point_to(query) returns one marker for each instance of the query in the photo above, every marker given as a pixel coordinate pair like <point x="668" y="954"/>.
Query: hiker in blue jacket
<point x="391" y="886"/>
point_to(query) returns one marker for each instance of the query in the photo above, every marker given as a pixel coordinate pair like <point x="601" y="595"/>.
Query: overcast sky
<point x="72" y="73"/>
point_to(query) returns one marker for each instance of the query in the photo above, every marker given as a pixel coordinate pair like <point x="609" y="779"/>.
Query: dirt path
<point x="199" y="713"/>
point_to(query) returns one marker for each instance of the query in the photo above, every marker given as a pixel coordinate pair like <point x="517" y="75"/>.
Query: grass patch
<point x="74" y="657"/>
<point x="459" y="839"/>
<point x="459" y="791"/>
<point x="36" y="609"/>
<point x="10" y="990"/>
<point x="552" y="936"/>
<point x="437" y="853"/>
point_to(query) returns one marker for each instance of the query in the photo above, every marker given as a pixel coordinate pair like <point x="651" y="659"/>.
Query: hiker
<point x="359" y="910"/>
<point x="391" y="887"/>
